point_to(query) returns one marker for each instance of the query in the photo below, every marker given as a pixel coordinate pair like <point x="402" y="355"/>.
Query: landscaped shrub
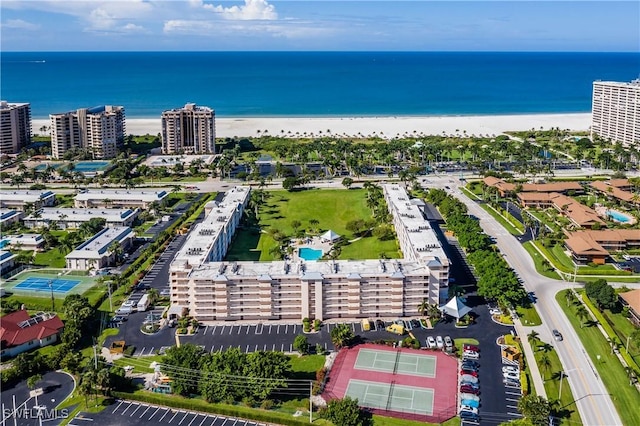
<point x="317" y="324"/>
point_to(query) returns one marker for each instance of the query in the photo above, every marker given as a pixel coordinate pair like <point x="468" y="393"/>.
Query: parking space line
<point x="512" y="393"/>
<point x="134" y="411"/>
<point x="239" y="329"/>
<point x="256" y="349"/>
<point x="214" y="420"/>
<point x="231" y="330"/>
<point x="205" y="418"/>
<point x="286" y="329"/>
<point x="265" y="347"/>
<point x="290" y="347"/>
<point x="259" y="327"/>
<point x="205" y="330"/>
<point x="248" y="328"/>
<point x="168" y="410"/>
<point x="222" y="330"/>
<point x="151" y="350"/>
<point x="353" y="327"/>
<point x="185" y="416"/>
<point x="247" y="350"/>
<point x="274" y="347"/>
<point x="221" y="348"/>
<point x="514" y="414"/>
<point x="278" y="330"/>
<point x="270" y="328"/>
<point x="294" y="327"/>
<point x="125" y="410"/>
<point x="192" y="420"/>
<point x="174" y="416"/>
<point x="116" y="409"/>
<point x="154" y="413"/>
<point x="214" y="329"/>
<point x="225" y="422"/>
<point x="512" y="399"/>
<point x="282" y="348"/>
<point x="142" y="351"/>
<point x="512" y="406"/>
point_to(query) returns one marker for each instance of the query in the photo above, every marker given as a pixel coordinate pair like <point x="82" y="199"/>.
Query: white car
<point x="510" y="369"/>
<point x="469" y="396"/>
<point x="495" y="311"/>
<point x="469" y="408"/>
<point x="468" y="378"/>
<point x="511" y="376"/>
<point x="448" y="343"/>
<point x="470" y="355"/>
<point x="440" y="342"/>
<point x="431" y="342"/>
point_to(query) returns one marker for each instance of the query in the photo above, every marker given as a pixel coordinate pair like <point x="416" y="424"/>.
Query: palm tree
<point x="544" y="363"/>
<point x="423" y="307"/>
<point x="533" y="338"/>
<point x="571" y="297"/>
<point x="582" y="315"/>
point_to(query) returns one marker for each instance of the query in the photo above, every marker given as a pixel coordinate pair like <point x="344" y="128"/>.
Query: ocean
<point x="266" y="84"/>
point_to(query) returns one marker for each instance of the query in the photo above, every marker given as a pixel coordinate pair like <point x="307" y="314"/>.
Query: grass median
<point x="497" y="216"/>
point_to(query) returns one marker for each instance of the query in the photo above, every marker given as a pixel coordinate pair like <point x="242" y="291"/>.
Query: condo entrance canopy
<point x="455" y="308"/>
<point x="330" y="236"/>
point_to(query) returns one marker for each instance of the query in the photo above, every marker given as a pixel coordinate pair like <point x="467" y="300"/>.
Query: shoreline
<point x="386" y="127"/>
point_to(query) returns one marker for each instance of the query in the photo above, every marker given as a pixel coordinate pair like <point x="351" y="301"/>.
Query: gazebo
<point x="329" y="236"/>
<point x="455" y="308"/>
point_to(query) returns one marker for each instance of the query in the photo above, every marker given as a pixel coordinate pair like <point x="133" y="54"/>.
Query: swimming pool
<point x="4" y="243"/>
<point x="307" y="253"/>
<point x="618" y="217"/>
<point x="91" y="166"/>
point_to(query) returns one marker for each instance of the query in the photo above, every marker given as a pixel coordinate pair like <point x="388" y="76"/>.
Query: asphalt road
<point x="593" y="401"/>
<point x="55" y="386"/>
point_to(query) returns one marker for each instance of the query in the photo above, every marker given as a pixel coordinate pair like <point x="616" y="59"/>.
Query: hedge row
<point x="200" y="405"/>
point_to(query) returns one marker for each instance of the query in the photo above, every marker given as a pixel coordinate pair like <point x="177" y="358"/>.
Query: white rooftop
<point x="172" y="160"/>
<point x="146" y="195"/>
<point x="422" y="238"/>
<point x="24" y="239"/>
<point x="81" y="215"/>
<point x="24" y="195"/>
<point x="97" y="246"/>
<point x="200" y="240"/>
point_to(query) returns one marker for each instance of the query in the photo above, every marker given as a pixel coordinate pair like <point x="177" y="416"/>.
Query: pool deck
<point x="315" y="243"/>
<point x="604" y="213"/>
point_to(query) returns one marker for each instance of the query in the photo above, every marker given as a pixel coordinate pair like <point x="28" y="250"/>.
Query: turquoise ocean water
<point x="238" y="84"/>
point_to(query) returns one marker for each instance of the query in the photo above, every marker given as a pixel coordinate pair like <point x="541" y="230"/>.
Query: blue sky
<point x="142" y="25"/>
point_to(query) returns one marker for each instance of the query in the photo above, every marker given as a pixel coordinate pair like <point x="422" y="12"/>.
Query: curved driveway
<point x="593" y="401"/>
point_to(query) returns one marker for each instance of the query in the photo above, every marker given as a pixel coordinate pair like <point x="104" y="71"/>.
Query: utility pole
<point x="310" y="401"/>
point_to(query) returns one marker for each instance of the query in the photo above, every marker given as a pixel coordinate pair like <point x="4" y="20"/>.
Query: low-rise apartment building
<point x="96" y="252"/>
<point x="9" y="217"/>
<point x="594" y="246"/>
<point x="7" y="261"/>
<point x="617" y="188"/>
<point x="18" y="199"/>
<point x="120" y="198"/>
<point x="505" y="188"/>
<point x="24" y="241"/>
<point x="213" y="290"/>
<point x="65" y="218"/>
<point x="580" y="215"/>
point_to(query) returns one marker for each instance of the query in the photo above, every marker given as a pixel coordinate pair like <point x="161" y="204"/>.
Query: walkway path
<point x="521" y="331"/>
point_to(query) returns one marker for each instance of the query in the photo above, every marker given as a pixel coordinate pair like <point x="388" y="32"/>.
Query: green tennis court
<point x="396" y="362"/>
<point x="392" y="397"/>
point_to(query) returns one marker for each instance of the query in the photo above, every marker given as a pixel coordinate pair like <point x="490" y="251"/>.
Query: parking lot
<point x="141" y="414"/>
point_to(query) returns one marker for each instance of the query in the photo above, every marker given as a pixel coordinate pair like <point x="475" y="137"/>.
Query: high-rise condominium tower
<point x="100" y="130"/>
<point x="15" y="127"/>
<point x="189" y="130"/>
<point x="616" y="111"/>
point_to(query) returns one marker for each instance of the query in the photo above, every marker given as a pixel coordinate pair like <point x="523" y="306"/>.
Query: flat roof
<point x="200" y="240"/>
<point x="97" y="246"/>
<point x="25" y="196"/>
<point x="5" y="256"/>
<point x="8" y="213"/>
<point x="81" y="215"/>
<point x="24" y="238"/>
<point x="172" y="160"/>
<point x="147" y="195"/>
<point x="422" y="238"/>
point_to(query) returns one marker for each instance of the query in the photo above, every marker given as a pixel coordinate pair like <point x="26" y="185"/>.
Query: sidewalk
<point x="536" y="378"/>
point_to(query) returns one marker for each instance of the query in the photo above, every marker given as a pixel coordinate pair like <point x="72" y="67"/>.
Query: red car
<point x="469" y="372"/>
<point x="469" y="347"/>
<point x="469" y="389"/>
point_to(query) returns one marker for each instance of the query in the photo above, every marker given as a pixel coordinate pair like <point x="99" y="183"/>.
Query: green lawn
<point x="392" y="421"/>
<point x="561" y="261"/>
<point x="623" y="328"/>
<point x="51" y="258"/>
<point x="625" y="397"/>
<point x="307" y="363"/>
<point x="537" y="260"/>
<point x="332" y="208"/>
<point x="529" y="316"/>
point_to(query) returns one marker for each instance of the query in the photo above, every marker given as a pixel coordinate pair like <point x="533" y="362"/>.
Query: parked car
<point x="469" y="372"/>
<point x="557" y="335"/>
<point x="440" y="342"/>
<point x="448" y="343"/>
<point x="469" y="389"/>
<point x="510" y="369"/>
<point x="470" y="355"/>
<point x="415" y="323"/>
<point x="469" y="397"/>
<point x="471" y="362"/>
<point x="380" y="324"/>
<point x="469" y="347"/>
<point x="469" y="408"/>
<point x="467" y="378"/>
<point x="431" y="342"/>
<point x="495" y="311"/>
<point x="466" y="415"/>
<point x="474" y="386"/>
<point x="511" y="376"/>
<point x="470" y="403"/>
<point x="119" y="318"/>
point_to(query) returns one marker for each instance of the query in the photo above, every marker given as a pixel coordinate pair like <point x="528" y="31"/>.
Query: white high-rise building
<point x="616" y="111"/>
<point x="100" y="130"/>
<point x="15" y="127"/>
<point x="189" y="130"/>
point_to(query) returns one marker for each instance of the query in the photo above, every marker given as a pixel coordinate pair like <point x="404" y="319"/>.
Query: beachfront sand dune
<point x="386" y="127"/>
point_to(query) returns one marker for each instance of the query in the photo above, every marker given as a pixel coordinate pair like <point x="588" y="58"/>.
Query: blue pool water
<point x="309" y="254"/>
<point x="3" y="244"/>
<point x="91" y="166"/>
<point x="618" y="217"/>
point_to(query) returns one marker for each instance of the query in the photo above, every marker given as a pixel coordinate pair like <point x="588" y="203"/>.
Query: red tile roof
<point x="11" y="334"/>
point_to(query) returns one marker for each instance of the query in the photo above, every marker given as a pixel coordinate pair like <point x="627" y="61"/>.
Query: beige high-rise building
<point x="15" y="127"/>
<point x="189" y="130"/>
<point x="101" y="130"/>
<point x="615" y="113"/>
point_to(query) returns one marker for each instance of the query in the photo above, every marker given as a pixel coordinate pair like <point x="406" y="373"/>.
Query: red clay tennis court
<point x="399" y="382"/>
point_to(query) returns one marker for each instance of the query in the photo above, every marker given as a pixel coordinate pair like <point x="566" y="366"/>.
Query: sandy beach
<point x="385" y="127"/>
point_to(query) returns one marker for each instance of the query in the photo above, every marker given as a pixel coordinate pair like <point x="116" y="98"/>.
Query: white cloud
<point x="20" y="24"/>
<point x="100" y="19"/>
<point x="252" y="10"/>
